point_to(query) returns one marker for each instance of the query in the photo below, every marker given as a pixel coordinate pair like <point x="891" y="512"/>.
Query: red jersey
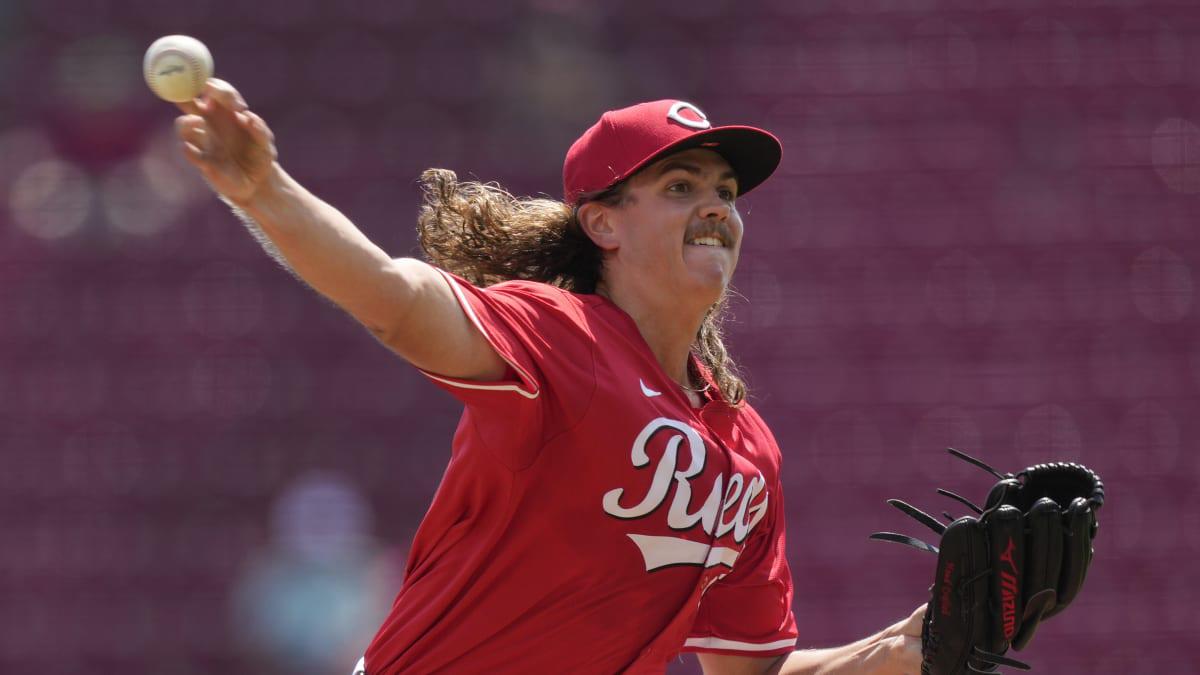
<point x="590" y="519"/>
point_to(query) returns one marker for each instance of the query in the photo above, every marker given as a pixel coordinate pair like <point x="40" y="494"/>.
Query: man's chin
<point x="708" y="285"/>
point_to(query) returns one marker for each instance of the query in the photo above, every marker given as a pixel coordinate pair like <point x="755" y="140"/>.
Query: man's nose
<point x="715" y="208"/>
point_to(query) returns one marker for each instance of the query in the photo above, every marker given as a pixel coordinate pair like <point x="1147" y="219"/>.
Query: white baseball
<point x="176" y="67"/>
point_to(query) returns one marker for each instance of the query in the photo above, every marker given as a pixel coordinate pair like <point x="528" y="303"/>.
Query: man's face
<point x="678" y="228"/>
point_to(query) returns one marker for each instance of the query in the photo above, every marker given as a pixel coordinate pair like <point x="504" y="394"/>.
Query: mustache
<point x="710" y="228"/>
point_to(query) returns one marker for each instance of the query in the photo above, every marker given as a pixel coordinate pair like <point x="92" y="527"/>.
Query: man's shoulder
<point x="547" y="306"/>
<point x="534" y="289"/>
<point x="547" y="297"/>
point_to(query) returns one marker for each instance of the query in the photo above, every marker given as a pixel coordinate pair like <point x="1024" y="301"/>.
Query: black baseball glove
<point x="1020" y="559"/>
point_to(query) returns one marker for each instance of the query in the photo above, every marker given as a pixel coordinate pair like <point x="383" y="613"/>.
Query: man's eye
<point x="679" y="187"/>
<point x="727" y="194"/>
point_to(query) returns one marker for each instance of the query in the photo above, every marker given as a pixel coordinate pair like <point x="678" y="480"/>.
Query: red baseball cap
<point x="625" y="141"/>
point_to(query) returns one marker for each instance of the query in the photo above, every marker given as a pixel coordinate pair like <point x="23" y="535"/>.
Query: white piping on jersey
<point x="470" y="312"/>
<point x="469" y="385"/>
<point x="650" y="393"/>
<point x="665" y="551"/>
<point x="718" y="643"/>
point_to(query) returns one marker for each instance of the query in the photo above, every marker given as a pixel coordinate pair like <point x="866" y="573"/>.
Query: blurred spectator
<point x="311" y="600"/>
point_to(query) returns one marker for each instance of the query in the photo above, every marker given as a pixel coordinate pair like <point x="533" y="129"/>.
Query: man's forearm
<point x="867" y="657"/>
<point x="320" y="245"/>
<point x="879" y="654"/>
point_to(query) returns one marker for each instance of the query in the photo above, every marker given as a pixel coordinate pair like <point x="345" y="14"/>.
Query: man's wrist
<point x="267" y="196"/>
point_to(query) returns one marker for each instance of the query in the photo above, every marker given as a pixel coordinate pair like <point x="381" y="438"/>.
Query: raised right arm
<point x="405" y="303"/>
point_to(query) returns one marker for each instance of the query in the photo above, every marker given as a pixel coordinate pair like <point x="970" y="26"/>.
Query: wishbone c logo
<point x="678" y="106"/>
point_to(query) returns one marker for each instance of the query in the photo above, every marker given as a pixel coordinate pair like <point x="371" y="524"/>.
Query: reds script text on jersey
<point x="590" y="520"/>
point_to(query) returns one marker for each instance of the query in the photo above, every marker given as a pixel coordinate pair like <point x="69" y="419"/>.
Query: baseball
<point x="176" y="67"/>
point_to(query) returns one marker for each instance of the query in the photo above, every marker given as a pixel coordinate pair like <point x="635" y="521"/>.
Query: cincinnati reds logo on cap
<point x="679" y="106"/>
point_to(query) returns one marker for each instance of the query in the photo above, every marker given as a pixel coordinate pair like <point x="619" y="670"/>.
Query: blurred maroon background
<point x="983" y="234"/>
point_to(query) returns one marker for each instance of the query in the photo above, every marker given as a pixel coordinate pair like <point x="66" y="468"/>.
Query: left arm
<point x="896" y="650"/>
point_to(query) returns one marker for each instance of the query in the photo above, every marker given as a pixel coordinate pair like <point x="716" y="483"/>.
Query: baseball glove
<point x="1020" y="559"/>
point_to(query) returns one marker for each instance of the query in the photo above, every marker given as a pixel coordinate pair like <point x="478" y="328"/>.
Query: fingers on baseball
<point x="188" y="107"/>
<point x="194" y="155"/>
<point x="192" y="129"/>
<point x="222" y="93"/>
<point x="257" y="127"/>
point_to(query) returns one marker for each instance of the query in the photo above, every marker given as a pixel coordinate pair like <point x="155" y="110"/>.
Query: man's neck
<point x="669" y="328"/>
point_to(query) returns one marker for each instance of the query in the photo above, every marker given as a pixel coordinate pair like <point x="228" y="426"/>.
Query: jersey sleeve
<point x="540" y="332"/>
<point x="749" y="612"/>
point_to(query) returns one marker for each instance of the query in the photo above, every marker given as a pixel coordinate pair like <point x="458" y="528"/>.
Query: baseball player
<point x="611" y="498"/>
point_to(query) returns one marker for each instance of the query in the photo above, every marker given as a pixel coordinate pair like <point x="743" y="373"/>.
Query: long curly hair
<point x="484" y="234"/>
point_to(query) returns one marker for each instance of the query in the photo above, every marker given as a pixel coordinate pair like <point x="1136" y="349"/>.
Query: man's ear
<point x="596" y="221"/>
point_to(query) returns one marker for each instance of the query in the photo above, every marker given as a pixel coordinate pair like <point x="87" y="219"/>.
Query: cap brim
<point x="752" y="153"/>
